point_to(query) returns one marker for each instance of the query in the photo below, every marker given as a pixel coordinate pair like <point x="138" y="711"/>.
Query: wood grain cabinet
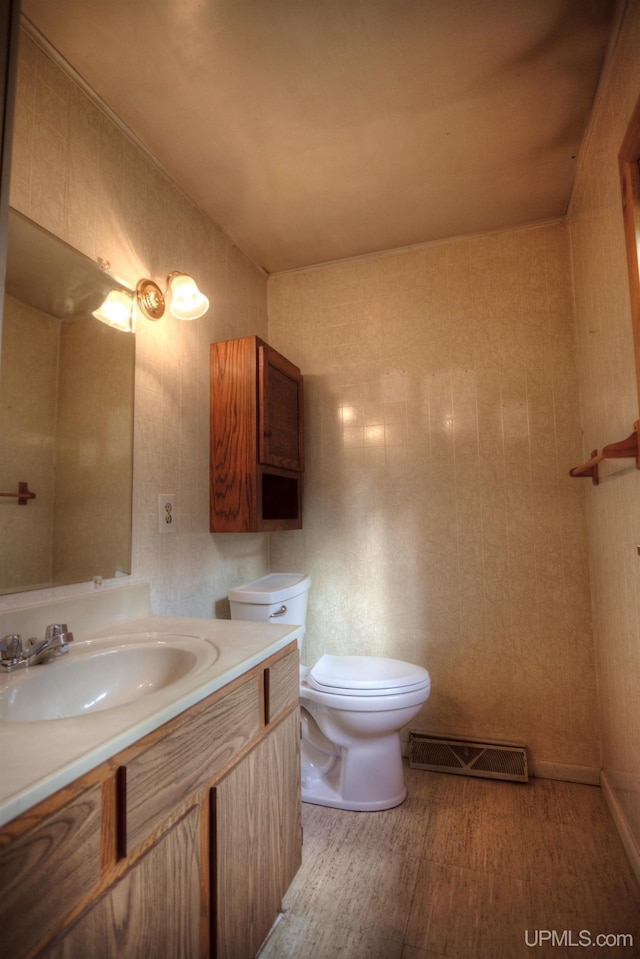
<point x="257" y="448"/>
<point x="154" y="910"/>
<point x="54" y="859"/>
<point x="180" y="847"/>
<point x="258" y="833"/>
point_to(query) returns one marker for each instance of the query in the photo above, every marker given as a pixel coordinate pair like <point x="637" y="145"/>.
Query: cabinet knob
<point x="267" y="432"/>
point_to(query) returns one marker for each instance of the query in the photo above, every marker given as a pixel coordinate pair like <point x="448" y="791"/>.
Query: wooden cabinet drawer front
<point x="188" y="757"/>
<point x="282" y="685"/>
<point x="48" y="870"/>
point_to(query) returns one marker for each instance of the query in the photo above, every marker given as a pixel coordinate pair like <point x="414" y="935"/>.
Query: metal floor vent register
<point x="468" y="757"/>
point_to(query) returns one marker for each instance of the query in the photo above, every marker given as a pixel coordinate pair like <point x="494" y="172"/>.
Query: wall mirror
<point x="66" y="418"/>
<point x="629" y="165"/>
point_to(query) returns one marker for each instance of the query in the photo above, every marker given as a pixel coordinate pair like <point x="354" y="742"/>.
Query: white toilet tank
<point x="275" y="598"/>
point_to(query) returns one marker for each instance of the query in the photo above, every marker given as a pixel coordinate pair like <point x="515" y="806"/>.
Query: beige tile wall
<point x="76" y="174"/>
<point x="441" y="526"/>
<point x="609" y="408"/>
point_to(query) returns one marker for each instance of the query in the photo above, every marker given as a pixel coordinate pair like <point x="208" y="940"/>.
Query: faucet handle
<point x="60" y="632"/>
<point x="10" y="649"/>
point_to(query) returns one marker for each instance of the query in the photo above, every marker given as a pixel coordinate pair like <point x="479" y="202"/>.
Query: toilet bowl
<point x="352" y="707"/>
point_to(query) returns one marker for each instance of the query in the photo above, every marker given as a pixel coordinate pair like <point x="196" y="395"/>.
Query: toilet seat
<point x="366" y="676"/>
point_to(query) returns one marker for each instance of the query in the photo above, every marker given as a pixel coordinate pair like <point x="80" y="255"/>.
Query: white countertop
<point x="38" y="758"/>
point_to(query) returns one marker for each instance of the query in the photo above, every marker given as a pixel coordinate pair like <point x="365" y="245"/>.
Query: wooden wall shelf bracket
<point x="624" y="449"/>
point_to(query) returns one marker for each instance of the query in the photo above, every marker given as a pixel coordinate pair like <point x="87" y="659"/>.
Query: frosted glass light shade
<point x="187" y="302"/>
<point x="117" y="311"/>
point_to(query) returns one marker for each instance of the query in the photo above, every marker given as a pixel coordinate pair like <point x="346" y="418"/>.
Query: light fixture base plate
<point x="150" y="299"/>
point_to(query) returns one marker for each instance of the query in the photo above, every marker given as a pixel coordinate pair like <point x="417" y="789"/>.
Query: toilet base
<point x="363" y="778"/>
<point x="321" y="794"/>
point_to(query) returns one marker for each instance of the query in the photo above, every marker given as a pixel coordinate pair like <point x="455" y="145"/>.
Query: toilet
<point x="352" y="707"/>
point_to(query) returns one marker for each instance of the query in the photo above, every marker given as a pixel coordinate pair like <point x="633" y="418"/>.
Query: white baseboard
<point x="589" y="775"/>
<point x="628" y="840"/>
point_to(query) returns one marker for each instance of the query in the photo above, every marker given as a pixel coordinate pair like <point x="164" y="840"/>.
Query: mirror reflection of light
<point x="117" y="311"/>
<point x="374" y="434"/>
<point x="347" y="415"/>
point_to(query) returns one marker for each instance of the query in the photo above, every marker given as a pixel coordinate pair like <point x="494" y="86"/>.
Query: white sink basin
<point x="103" y="674"/>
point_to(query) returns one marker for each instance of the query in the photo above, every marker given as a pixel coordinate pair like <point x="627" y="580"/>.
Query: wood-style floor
<point x="466" y="868"/>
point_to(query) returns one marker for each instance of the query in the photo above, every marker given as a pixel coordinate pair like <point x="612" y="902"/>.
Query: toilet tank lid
<point x="273" y="588"/>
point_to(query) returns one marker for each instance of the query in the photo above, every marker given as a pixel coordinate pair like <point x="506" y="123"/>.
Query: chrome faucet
<point x="14" y="654"/>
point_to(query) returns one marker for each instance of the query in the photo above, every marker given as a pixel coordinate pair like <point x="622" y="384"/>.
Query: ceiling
<point x="313" y="130"/>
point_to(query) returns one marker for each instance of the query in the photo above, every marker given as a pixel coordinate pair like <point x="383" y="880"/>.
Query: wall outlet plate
<point x="167" y="512"/>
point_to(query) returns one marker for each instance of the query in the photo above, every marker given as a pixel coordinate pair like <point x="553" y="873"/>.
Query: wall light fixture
<point x="184" y="299"/>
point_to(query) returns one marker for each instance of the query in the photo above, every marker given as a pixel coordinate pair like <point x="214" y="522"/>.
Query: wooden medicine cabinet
<point x="257" y="453"/>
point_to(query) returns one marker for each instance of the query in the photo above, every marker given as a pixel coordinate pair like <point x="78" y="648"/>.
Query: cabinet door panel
<point x="258" y="840"/>
<point x="46" y="872"/>
<point x="281" y="406"/>
<point x="234" y="425"/>
<point x="153" y="911"/>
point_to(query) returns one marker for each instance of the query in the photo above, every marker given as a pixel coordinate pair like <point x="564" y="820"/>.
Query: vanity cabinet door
<point x="153" y="911"/>
<point x="47" y="871"/>
<point x="258" y="836"/>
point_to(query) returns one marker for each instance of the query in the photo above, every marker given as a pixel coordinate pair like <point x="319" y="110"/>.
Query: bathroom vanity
<point x="180" y="841"/>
